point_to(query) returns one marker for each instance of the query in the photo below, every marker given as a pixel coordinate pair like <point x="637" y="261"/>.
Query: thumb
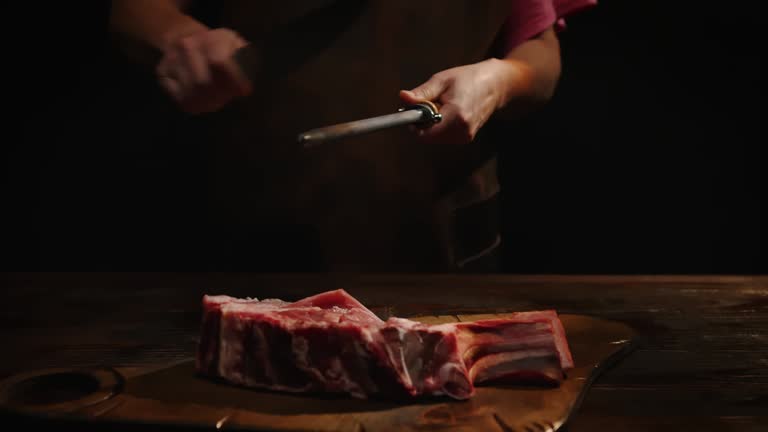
<point x="429" y="91"/>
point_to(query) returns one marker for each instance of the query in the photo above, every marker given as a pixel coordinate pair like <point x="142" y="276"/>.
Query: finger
<point x="194" y="62"/>
<point x="238" y="41"/>
<point x="167" y="78"/>
<point x="173" y="66"/>
<point x="165" y="66"/>
<point x="180" y="74"/>
<point x="227" y="71"/>
<point x="409" y="98"/>
<point x="172" y="87"/>
<point x="429" y="91"/>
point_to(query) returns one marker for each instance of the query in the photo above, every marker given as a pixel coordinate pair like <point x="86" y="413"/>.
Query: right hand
<point x="199" y="73"/>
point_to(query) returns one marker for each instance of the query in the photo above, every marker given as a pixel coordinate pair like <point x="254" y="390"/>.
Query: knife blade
<point x="284" y="47"/>
<point x="421" y="115"/>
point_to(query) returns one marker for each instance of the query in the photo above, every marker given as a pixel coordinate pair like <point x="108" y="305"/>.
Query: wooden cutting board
<point x="174" y="395"/>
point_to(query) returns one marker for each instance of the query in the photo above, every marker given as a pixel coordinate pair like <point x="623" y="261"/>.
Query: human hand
<point x="468" y="96"/>
<point x="199" y="73"/>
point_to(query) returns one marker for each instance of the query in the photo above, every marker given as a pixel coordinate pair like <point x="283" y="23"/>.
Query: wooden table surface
<point x="703" y="365"/>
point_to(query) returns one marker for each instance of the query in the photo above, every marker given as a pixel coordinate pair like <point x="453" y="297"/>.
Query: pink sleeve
<point x="528" y="18"/>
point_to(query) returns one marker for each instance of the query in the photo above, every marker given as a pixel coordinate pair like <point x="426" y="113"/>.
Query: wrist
<point x="515" y="81"/>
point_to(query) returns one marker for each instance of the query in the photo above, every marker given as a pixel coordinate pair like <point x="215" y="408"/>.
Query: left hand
<point x="468" y="96"/>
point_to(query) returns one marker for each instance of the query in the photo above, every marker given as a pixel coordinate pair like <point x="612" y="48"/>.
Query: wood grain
<point x="177" y="396"/>
<point x="703" y="363"/>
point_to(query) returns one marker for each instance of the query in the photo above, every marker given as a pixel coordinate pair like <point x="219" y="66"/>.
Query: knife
<point x="283" y="48"/>
<point x="421" y="115"/>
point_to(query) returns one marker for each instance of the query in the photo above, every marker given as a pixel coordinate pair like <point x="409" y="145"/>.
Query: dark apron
<point x="379" y="202"/>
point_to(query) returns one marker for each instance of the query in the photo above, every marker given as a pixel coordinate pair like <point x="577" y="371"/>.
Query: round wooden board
<point x="176" y="396"/>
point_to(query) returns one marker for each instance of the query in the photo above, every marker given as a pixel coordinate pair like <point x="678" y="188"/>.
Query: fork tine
<point x="502" y="424"/>
<point x="538" y="427"/>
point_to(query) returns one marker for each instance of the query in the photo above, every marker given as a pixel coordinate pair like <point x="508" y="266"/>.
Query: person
<point x="401" y="199"/>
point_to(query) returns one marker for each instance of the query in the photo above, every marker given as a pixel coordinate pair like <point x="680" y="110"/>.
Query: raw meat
<point x="330" y="342"/>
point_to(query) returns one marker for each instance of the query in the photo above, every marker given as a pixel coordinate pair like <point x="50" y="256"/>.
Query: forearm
<point x="145" y="27"/>
<point x="532" y="71"/>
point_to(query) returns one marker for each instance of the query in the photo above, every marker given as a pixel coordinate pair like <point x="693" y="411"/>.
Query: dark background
<point x="646" y="161"/>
